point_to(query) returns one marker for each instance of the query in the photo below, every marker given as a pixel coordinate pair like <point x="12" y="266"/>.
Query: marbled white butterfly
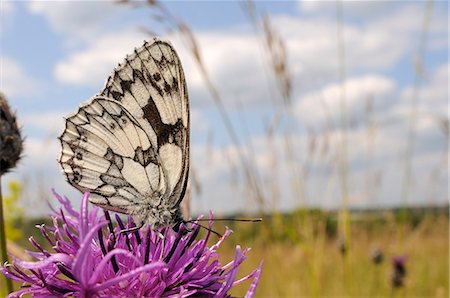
<point x="129" y="145"/>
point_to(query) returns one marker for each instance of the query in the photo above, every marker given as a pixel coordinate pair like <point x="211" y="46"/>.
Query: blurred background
<point x="329" y="119"/>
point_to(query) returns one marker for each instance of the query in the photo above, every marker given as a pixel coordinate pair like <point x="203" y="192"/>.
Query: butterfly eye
<point x="79" y="156"/>
<point x="112" y="125"/>
<point x="124" y="121"/>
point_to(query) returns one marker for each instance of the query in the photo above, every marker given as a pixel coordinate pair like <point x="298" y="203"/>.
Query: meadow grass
<point x="313" y="266"/>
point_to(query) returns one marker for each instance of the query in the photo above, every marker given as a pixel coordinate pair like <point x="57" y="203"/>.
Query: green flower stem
<point x="5" y="283"/>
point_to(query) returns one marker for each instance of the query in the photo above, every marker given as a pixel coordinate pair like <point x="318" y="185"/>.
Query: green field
<point x="298" y="263"/>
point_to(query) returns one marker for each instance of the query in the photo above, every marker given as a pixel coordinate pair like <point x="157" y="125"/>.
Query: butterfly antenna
<point x="205" y="227"/>
<point x="195" y="221"/>
<point x="227" y="219"/>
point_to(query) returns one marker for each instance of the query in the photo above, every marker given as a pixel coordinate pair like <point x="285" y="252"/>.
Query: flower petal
<point x="106" y="259"/>
<point x="127" y="275"/>
<point x="63" y="258"/>
<point x="257" y="275"/>
<point x="81" y="269"/>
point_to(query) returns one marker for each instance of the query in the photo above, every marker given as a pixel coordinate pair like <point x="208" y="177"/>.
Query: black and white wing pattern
<point x="129" y="145"/>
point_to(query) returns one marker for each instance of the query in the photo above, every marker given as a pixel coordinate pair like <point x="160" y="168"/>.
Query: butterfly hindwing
<point x="105" y="151"/>
<point x="150" y="84"/>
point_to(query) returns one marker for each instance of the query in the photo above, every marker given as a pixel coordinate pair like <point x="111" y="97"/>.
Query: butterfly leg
<point x="132" y="230"/>
<point x="162" y="245"/>
<point x="187" y="229"/>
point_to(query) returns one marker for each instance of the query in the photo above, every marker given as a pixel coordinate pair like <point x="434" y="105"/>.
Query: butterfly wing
<point x="106" y="152"/>
<point x="150" y="84"/>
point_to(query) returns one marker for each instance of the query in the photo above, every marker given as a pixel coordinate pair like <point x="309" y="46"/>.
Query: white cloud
<point x="209" y="161"/>
<point x="6" y="16"/>
<point x="40" y="151"/>
<point x="432" y="93"/>
<point x="387" y="32"/>
<point x="366" y="9"/>
<point x="91" y="66"/>
<point x="219" y="171"/>
<point x="237" y="63"/>
<point x="317" y="175"/>
<point x="6" y="7"/>
<point x="39" y="171"/>
<point x="431" y="109"/>
<point x="199" y="123"/>
<point x="372" y="155"/>
<point x="83" y="20"/>
<point x="325" y="104"/>
<point x="390" y="16"/>
<point x="234" y="63"/>
<point x="14" y="81"/>
<point x="44" y="121"/>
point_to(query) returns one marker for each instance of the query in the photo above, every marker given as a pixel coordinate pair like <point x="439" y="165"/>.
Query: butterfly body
<point x="129" y="145"/>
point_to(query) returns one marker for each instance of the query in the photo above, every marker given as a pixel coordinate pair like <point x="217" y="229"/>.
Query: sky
<point x="56" y="55"/>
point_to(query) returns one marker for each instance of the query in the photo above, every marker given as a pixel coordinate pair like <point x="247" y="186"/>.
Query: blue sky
<point x="56" y="55"/>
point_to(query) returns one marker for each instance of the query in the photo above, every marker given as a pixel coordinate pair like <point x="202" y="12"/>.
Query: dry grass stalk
<point x="412" y="130"/>
<point x="11" y="146"/>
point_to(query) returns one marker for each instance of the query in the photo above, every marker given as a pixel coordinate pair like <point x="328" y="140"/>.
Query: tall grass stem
<point x="411" y="137"/>
<point x="343" y="164"/>
<point x="5" y="283"/>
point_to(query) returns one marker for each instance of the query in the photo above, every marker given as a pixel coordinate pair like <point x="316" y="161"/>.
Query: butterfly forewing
<point x="129" y="146"/>
<point x="151" y="84"/>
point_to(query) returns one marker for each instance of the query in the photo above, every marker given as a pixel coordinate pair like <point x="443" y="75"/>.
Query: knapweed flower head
<point x="377" y="256"/>
<point x="398" y="271"/>
<point x="92" y="258"/>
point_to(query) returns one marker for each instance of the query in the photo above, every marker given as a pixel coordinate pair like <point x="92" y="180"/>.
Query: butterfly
<point x="129" y="145"/>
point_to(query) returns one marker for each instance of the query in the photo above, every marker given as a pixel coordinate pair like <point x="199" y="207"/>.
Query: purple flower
<point x="377" y="256"/>
<point x="398" y="271"/>
<point x="91" y="258"/>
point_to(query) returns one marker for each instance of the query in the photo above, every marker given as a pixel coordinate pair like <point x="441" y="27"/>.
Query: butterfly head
<point x="159" y="216"/>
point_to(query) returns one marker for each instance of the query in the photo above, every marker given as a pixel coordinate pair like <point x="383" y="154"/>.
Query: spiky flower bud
<point x="398" y="271"/>
<point x="377" y="256"/>
<point x="11" y="143"/>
